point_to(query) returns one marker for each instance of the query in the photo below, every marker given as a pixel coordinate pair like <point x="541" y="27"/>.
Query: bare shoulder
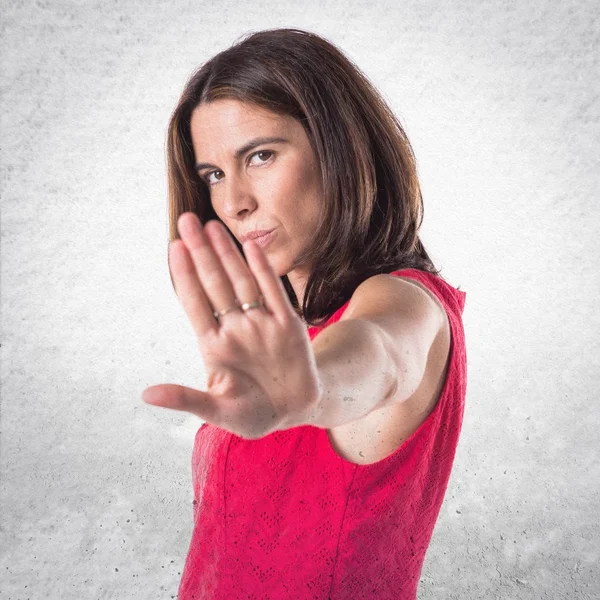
<point x="393" y="291"/>
<point x="433" y="299"/>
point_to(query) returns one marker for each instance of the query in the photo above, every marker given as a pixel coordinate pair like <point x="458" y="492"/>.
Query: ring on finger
<point x="237" y="306"/>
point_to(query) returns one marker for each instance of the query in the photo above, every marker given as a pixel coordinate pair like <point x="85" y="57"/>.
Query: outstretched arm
<point x="376" y="354"/>
<point x="355" y="370"/>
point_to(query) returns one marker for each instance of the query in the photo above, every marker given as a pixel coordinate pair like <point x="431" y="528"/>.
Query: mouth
<point x="264" y="240"/>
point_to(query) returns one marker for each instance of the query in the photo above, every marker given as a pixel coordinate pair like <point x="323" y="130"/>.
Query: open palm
<point x="262" y="374"/>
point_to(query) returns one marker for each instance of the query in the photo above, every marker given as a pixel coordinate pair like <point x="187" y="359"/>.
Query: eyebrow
<point x="258" y="141"/>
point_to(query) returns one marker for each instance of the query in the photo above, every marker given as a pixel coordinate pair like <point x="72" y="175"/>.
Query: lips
<point x="264" y="240"/>
<point x="252" y="235"/>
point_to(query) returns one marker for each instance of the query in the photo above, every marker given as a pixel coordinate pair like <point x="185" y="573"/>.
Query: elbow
<point x="406" y="367"/>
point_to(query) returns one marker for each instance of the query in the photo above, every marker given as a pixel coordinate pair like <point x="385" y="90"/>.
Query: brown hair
<point x="372" y="205"/>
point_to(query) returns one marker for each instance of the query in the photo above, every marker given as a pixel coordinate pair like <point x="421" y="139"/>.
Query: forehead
<point x="231" y="121"/>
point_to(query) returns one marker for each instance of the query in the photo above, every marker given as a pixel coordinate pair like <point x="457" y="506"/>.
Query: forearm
<point x="355" y="371"/>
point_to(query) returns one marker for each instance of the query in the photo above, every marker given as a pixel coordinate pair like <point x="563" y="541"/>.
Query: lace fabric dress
<point x="285" y="516"/>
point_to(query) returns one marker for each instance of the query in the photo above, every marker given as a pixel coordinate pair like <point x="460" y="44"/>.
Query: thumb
<point x="179" y="397"/>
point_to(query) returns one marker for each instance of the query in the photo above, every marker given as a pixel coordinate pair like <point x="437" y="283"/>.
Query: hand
<point x="262" y="373"/>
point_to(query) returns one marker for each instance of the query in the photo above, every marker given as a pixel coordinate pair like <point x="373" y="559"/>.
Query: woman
<point x="325" y="454"/>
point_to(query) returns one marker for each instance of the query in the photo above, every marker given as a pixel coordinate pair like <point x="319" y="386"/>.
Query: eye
<point x="269" y="152"/>
<point x="206" y="177"/>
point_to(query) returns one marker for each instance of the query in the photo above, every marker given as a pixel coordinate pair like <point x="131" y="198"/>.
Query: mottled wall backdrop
<point x="501" y="103"/>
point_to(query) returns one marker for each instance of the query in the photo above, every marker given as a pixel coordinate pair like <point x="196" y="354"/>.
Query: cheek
<point x="312" y="202"/>
<point x="304" y="184"/>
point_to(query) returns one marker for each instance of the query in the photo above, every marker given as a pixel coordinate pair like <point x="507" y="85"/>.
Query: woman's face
<point x="271" y="185"/>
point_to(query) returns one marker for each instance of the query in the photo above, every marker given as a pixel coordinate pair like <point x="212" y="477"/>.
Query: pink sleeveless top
<point x="286" y="517"/>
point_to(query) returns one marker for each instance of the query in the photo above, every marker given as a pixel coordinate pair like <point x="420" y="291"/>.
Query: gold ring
<point x="245" y="306"/>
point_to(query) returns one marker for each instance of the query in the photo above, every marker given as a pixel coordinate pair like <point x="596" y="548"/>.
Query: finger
<point x="211" y="274"/>
<point x="178" y="397"/>
<point x="190" y="291"/>
<point x="245" y="286"/>
<point x="269" y="282"/>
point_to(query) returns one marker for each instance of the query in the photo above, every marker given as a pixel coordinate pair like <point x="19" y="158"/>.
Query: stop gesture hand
<point x="262" y="373"/>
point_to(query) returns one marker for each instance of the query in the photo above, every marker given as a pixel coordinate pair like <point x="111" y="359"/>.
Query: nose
<point x="239" y="197"/>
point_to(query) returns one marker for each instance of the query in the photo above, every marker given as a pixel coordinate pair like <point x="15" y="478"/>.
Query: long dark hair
<point x="372" y="204"/>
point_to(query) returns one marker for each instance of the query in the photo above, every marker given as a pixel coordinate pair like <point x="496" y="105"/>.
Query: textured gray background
<point x="500" y="100"/>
